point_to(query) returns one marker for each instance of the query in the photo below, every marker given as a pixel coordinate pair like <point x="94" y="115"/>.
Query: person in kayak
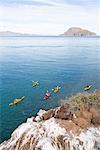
<point x="35" y="83"/>
<point x="88" y="87"/>
<point x="56" y="89"/>
<point x="47" y="93"/>
<point x="17" y="100"/>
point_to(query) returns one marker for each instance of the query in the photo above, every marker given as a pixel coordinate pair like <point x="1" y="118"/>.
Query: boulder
<point x="63" y="112"/>
<point x="47" y="115"/>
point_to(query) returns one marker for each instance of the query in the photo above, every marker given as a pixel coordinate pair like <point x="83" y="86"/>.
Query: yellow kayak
<point x="56" y="89"/>
<point x="35" y="83"/>
<point x="17" y="100"/>
<point x="88" y="87"/>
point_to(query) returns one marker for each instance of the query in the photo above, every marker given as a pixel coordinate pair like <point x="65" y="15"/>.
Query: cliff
<point x="75" y="31"/>
<point x="75" y="125"/>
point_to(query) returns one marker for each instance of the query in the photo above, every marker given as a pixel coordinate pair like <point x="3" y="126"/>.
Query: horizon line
<point x="37" y="34"/>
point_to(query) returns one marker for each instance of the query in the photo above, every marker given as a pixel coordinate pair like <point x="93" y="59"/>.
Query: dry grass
<point x="82" y="100"/>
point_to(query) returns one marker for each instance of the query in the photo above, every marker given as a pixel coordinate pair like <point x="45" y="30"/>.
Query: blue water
<point x="70" y="62"/>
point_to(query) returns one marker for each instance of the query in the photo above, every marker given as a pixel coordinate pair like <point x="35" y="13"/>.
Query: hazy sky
<point x="49" y="17"/>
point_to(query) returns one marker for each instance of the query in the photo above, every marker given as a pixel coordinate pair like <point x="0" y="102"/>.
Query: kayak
<point x="87" y="88"/>
<point x="46" y="97"/>
<point x="56" y="90"/>
<point x="35" y="83"/>
<point x="17" y="100"/>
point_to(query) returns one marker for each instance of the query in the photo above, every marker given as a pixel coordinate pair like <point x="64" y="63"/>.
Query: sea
<point x="69" y="62"/>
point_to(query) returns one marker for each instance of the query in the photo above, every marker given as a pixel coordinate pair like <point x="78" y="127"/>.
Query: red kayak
<point x="46" y="97"/>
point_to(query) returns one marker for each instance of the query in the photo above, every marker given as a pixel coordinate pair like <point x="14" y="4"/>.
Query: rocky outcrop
<point x="49" y="114"/>
<point x="75" y="125"/>
<point x="75" y="31"/>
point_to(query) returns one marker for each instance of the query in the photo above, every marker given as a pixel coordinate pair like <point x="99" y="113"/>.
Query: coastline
<point x="75" y="124"/>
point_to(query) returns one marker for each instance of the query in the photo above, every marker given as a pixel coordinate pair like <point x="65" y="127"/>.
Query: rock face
<point x="75" y="31"/>
<point x="75" y="125"/>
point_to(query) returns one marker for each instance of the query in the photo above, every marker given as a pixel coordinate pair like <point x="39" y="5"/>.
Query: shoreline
<point x="76" y="116"/>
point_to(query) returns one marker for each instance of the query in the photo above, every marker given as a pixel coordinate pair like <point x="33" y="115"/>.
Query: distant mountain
<point x="9" y="33"/>
<point x="75" y="31"/>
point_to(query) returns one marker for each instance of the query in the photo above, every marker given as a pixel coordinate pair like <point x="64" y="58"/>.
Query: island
<point x="76" y="31"/>
<point x="12" y="34"/>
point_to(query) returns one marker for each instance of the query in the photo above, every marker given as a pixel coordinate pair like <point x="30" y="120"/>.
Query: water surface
<point x="70" y="62"/>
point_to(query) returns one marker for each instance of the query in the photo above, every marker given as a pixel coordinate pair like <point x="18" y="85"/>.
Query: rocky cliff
<point x="75" y="31"/>
<point x="75" y="125"/>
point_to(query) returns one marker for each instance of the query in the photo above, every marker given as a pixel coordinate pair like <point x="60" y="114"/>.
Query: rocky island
<point x="75" y="31"/>
<point x="75" y="125"/>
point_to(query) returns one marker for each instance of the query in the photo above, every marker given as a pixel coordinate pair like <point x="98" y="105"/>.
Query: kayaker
<point x="35" y="83"/>
<point x="47" y="93"/>
<point x="88" y="87"/>
<point x="17" y="100"/>
<point x="56" y="89"/>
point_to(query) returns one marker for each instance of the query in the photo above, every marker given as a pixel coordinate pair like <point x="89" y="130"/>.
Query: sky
<point x="49" y="17"/>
